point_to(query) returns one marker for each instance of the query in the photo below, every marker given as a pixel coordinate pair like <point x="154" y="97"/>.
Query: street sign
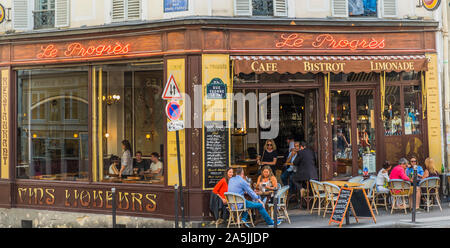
<point x="171" y="90"/>
<point x="175" y="125"/>
<point x="173" y="110"/>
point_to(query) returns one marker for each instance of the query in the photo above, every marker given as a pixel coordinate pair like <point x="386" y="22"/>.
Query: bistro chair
<point x="430" y="191"/>
<point x="331" y="192"/>
<point x="384" y="196"/>
<point x="357" y="179"/>
<point x="400" y="191"/>
<point x="369" y="185"/>
<point x="281" y="198"/>
<point x="318" y="195"/>
<point x="234" y="200"/>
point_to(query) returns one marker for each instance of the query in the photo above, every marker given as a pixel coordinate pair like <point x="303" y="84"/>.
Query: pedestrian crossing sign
<point x="171" y="90"/>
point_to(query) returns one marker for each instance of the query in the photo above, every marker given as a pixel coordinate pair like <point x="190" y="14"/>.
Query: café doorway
<point x="297" y="118"/>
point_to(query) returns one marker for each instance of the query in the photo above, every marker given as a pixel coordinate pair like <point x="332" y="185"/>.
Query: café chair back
<point x="400" y="191"/>
<point x="384" y="197"/>
<point x="369" y="185"/>
<point x="236" y="207"/>
<point x="281" y="198"/>
<point x="357" y="179"/>
<point x="331" y="194"/>
<point x="430" y="192"/>
<point x="318" y="195"/>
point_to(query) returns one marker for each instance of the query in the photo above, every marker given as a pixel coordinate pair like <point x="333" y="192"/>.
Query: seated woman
<point x="218" y="202"/>
<point x="113" y="167"/>
<point x="156" y="165"/>
<point x="430" y="170"/>
<point x="266" y="181"/>
<point x="383" y="178"/>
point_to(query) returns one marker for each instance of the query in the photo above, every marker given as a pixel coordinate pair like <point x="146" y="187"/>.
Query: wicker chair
<point x="281" y="198"/>
<point x="400" y="190"/>
<point x="235" y="212"/>
<point x="369" y="185"/>
<point x="377" y="199"/>
<point x="430" y="192"/>
<point x="319" y="195"/>
<point x="331" y="192"/>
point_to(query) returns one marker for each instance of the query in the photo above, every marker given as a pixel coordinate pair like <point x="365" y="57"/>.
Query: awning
<point x="325" y="64"/>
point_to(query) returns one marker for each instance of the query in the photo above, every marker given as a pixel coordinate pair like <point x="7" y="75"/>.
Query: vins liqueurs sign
<point x="79" y="50"/>
<point x="328" y="41"/>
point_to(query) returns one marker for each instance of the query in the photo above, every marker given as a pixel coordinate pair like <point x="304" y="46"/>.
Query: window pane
<point x="262" y="7"/>
<point x="133" y="110"/>
<point x="362" y="7"/>
<point x="392" y="112"/>
<point x="412" y="113"/>
<point x="49" y="146"/>
<point x="366" y="130"/>
<point x="341" y="128"/>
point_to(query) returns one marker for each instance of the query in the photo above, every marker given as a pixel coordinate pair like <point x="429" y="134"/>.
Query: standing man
<point x="239" y="185"/>
<point x="305" y="163"/>
<point x="290" y="168"/>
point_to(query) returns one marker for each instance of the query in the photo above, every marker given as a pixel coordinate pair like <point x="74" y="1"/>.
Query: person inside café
<point x="126" y="168"/>
<point x="430" y="169"/>
<point x="266" y="182"/>
<point x="383" y="178"/>
<point x="240" y="186"/>
<point x="269" y="156"/>
<point x="306" y="170"/>
<point x="156" y="166"/>
<point x="113" y="171"/>
<point x="399" y="173"/>
<point x="140" y="164"/>
<point x="218" y="202"/>
<point x="289" y="167"/>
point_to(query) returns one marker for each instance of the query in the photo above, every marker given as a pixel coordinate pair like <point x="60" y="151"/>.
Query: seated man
<point x="239" y="185"/>
<point x="139" y="164"/>
<point x="156" y="166"/>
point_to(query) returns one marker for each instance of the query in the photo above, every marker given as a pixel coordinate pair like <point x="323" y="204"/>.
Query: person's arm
<point x="249" y="190"/>
<point x="274" y="182"/>
<point x="426" y="174"/>
<point x="218" y="188"/>
<point x="403" y="176"/>
<point x="274" y="162"/>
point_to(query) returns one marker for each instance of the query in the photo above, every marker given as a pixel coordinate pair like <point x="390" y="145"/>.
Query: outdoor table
<point x="343" y="183"/>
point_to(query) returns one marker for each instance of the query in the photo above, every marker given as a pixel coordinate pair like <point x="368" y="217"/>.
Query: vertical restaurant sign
<point x="433" y="111"/>
<point x="175" y="5"/>
<point x="216" y="117"/>
<point x="5" y="125"/>
<point x="176" y="68"/>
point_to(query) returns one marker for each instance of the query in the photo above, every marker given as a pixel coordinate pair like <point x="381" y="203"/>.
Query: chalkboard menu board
<point x="357" y="199"/>
<point x="216" y="143"/>
<point x="340" y="209"/>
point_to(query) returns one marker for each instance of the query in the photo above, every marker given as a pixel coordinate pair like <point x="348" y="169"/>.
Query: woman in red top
<point x="218" y="192"/>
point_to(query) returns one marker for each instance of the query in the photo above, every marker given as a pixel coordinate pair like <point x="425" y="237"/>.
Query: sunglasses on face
<point x="413" y="161"/>
<point x="269" y="144"/>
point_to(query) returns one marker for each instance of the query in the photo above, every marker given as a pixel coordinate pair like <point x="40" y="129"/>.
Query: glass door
<point x="341" y="127"/>
<point x="353" y="132"/>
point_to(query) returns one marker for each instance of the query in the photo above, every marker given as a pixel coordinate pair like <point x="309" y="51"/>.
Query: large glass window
<point x="392" y="112"/>
<point x="341" y="129"/>
<point x="131" y="109"/>
<point x="52" y="124"/>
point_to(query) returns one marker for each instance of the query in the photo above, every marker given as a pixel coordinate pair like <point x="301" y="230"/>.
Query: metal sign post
<point x="180" y="178"/>
<point x="413" y="211"/>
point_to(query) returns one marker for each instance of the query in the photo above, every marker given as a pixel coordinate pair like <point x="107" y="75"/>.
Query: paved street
<point x="398" y="219"/>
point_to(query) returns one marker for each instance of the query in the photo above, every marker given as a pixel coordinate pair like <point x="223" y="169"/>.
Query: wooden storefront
<point x="190" y="41"/>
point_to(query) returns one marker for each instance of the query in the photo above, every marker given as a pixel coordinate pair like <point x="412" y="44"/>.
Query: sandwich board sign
<point x="171" y="90"/>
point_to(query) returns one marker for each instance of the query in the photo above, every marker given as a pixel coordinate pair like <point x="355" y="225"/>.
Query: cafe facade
<point x="358" y="93"/>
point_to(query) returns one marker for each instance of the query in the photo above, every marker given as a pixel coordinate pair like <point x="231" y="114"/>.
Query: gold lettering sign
<point x="389" y="66"/>
<point x="5" y="125"/>
<point x="264" y="67"/>
<point x="323" y="66"/>
<point x="97" y="199"/>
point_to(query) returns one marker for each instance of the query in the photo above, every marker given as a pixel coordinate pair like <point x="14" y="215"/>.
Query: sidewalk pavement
<point x="301" y="218"/>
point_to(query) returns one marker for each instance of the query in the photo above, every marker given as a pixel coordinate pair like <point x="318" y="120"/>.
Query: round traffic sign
<point x="173" y="110"/>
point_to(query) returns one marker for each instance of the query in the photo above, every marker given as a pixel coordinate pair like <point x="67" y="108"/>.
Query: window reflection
<point x="392" y="112"/>
<point x="412" y="114"/>
<point x="52" y="124"/>
<point x="341" y="130"/>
